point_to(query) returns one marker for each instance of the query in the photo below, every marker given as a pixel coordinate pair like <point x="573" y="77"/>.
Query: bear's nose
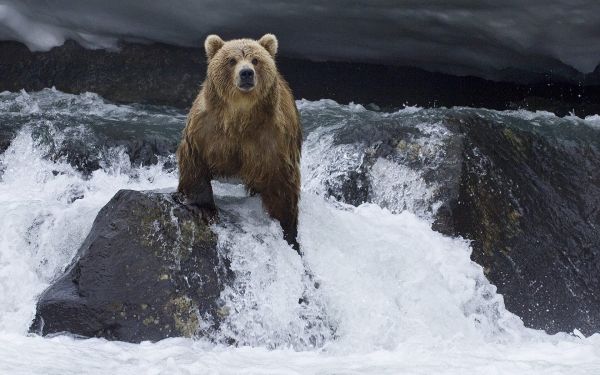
<point x="246" y="74"/>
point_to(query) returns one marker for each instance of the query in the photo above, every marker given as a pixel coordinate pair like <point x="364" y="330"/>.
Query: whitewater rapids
<point x="401" y="298"/>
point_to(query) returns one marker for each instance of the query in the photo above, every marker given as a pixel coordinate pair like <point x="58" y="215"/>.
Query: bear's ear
<point x="269" y="41"/>
<point x="212" y="45"/>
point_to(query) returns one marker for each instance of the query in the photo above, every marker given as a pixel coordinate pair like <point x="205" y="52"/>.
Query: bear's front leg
<point x="283" y="206"/>
<point x="194" y="183"/>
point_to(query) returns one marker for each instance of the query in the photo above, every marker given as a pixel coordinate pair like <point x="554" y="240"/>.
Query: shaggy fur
<point x="254" y="135"/>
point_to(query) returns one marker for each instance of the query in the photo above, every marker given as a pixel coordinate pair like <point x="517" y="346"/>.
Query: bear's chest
<point x="239" y="154"/>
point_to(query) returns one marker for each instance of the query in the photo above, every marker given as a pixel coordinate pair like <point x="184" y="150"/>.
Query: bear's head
<point x="241" y="69"/>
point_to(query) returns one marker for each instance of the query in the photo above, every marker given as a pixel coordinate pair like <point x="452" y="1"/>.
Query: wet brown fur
<point x="254" y="135"/>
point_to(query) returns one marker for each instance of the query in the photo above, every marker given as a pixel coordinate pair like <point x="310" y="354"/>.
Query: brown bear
<point x="244" y="123"/>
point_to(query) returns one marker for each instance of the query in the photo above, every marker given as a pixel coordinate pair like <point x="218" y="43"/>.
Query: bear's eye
<point x="254" y="61"/>
<point x="232" y="61"/>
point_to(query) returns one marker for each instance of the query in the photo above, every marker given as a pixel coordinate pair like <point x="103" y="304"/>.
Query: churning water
<point x="394" y="296"/>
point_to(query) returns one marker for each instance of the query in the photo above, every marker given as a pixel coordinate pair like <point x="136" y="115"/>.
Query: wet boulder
<point x="408" y="160"/>
<point x="529" y="199"/>
<point x="149" y="269"/>
<point x="526" y="194"/>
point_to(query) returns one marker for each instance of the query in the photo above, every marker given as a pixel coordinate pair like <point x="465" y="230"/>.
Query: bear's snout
<point x="246" y="80"/>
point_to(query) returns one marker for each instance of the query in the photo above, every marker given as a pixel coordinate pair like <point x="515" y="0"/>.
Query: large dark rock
<point x="528" y="196"/>
<point x="149" y="269"/>
<point x="530" y="201"/>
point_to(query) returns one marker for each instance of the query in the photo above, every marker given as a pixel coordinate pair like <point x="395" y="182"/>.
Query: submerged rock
<point x="148" y="270"/>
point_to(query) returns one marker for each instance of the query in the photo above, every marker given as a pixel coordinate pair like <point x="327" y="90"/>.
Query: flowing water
<point x="394" y="296"/>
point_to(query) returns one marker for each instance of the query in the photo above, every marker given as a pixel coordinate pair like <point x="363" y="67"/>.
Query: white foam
<point x="593" y="120"/>
<point x="401" y="188"/>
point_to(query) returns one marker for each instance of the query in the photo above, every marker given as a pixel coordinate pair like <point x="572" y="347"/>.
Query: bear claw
<point x="209" y="215"/>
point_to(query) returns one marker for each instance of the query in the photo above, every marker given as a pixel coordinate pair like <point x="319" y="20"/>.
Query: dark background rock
<point x="527" y="196"/>
<point x="170" y="75"/>
<point x="6" y="136"/>
<point x="149" y="269"/>
<point x="531" y="204"/>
